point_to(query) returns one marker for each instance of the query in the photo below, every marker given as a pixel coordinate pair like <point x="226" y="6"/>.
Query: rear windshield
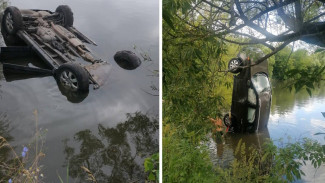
<point x="261" y="82"/>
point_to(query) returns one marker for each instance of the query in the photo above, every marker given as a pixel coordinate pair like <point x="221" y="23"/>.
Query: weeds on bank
<point x="273" y="164"/>
<point x="186" y="161"/>
<point x="23" y="167"/>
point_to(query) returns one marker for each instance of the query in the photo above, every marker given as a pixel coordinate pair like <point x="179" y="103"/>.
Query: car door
<point x="262" y="88"/>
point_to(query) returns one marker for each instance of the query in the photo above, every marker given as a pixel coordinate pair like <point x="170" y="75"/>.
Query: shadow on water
<point x="114" y="154"/>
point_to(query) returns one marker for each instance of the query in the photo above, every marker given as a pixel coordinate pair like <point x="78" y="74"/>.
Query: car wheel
<point x="67" y="15"/>
<point x="226" y="120"/>
<point x="12" y="22"/>
<point x="127" y="60"/>
<point x="73" y="77"/>
<point x="233" y="65"/>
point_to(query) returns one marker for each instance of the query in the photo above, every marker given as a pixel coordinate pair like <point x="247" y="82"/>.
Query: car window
<point x="251" y="96"/>
<point x="251" y="115"/>
<point x="261" y="82"/>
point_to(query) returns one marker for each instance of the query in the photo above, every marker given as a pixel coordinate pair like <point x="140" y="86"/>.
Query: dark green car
<point x="252" y="94"/>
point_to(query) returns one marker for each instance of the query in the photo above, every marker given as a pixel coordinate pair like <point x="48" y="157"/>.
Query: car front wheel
<point x="227" y="120"/>
<point x="73" y="77"/>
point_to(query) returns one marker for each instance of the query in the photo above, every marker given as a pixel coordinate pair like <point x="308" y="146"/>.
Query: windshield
<point x="261" y="82"/>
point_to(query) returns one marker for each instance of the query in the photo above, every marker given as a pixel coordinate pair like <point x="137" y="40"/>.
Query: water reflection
<point x="223" y="151"/>
<point x="115" y="154"/>
<point x="72" y="96"/>
<point x="297" y="114"/>
<point x="284" y="101"/>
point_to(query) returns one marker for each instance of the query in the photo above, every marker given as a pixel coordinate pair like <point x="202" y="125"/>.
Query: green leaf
<point x="157" y="175"/>
<point x="167" y="18"/>
<point x="198" y="54"/>
<point x="151" y="176"/>
<point x="186" y="6"/>
<point x="155" y="157"/>
<point x="148" y="165"/>
<point x="323" y="146"/>
<point x="309" y="91"/>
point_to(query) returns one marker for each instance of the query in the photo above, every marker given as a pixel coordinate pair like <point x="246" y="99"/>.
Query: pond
<point x="293" y="117"/>
<point x="111" y="130"/>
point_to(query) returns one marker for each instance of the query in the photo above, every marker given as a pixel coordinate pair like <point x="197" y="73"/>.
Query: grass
<point x="24" y="167"/>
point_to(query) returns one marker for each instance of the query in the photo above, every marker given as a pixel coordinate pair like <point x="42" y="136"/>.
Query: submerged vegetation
<point x="197" y="86"/>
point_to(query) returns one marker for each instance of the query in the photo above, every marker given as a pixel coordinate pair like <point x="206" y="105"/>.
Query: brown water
<point x="111" y="130"/>
<point x="293" y="117"/>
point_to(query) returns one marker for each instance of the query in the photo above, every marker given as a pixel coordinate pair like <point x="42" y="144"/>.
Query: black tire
<point x="73" y="96"/>
<point x="67" y="15"/>
<point x="233" y="63"/>
<point x="73" y="77"/>
<point x="226" y="120"/>
<point x="127" y="60"/>
<point x="12" y="22"/>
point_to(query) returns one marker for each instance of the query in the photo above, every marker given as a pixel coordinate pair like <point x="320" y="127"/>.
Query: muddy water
<point x="111" y="130"/>
<point x="293" y="117"/>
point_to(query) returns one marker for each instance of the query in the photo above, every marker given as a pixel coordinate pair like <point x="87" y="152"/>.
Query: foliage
<point x="191" y="81"/>
<point x="183" y="161"/>
<point x="24" y="167"/>
<point x="272" y="163"/>
<point x="151" y="165"/>
<point x="299" y="69"/>
<point x="279" y="22"/>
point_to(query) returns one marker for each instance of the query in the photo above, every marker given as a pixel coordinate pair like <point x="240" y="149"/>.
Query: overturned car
<point x="252" y="94"/>
<point x="61" y="46"/>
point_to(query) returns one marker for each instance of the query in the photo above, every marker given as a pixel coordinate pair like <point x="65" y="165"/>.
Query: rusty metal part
<point x="65" y="59"/>
<point x="75" y="42"/>
<point x="99" y="72"/>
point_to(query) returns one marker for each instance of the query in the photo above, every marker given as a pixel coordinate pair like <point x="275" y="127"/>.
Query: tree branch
<point x="217" y="7"/>
<point x="250" y="23"/>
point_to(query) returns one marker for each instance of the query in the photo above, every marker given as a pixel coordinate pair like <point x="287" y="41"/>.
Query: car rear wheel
<point x="67" y="15"/>
<point x="127" y="60"/>
<point x="12" y="22"/>
<point x="233" y="65"/>
<point x="227" y="120"/>
<point x="73" y="77"/>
